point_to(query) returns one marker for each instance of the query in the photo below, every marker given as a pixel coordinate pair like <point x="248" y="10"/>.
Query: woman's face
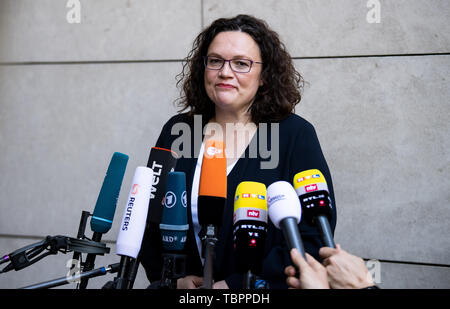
<point x="231" y="91"/>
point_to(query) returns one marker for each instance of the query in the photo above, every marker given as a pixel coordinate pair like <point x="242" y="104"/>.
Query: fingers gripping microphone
<point x="250" y="229"/>
<point x="211" y="202"/>
<point x="174" y="226"/>
<point x="105" y="207"/>
<point x="285" y="213"/>
<point x="132" y="226"/>
<point x="312" y="190"/>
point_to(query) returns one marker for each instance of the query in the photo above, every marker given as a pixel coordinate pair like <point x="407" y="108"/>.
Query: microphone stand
<point x="249" y="280"/>
<point x="90" y="260"/>
<point x="209" y="244"/>
<point x="121" y="282"/>
<point x="113" y="268"/>
<point x="174" y="267"/>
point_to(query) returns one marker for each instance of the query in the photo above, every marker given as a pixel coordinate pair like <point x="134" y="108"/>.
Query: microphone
<point x="250" y="229"/>
<point x="105" y="207"/>
<point x="174" y="223"/>
<point x="285" y="212"/>
<point x="312" y="190"/>
<point x="161" y="161"/>
<point x="211" y="202"/>
<point x="174" y="226"/>
<point x="212" y="193"/>
<point x="133" y="222"/>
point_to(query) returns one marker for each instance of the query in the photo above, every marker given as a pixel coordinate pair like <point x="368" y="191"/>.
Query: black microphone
<point x="285" y="212"/>
<point x="250" y="229"/>
<point x="161" y="161"/>
<point x="105" y="207"/>
<point x="174" y="226"/>
<point x="312" y="190"/>
<point x="212" y="196"/>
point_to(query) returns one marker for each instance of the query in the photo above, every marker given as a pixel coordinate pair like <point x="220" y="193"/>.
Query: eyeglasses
<point x="237" y="65"/>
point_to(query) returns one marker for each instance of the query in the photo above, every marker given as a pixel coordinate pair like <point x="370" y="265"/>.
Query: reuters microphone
<point x="250" y="229"/>
<point x="285" y="212"/>
<point x="212" y="197"/>
<point x="132" y="226"/>
<point x="161" y="161"/>
<point x="312" y="191"/>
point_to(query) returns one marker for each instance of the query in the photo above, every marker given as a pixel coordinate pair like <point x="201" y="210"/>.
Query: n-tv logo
<point x="311" y="188"/>
<point x="253" y="213"/>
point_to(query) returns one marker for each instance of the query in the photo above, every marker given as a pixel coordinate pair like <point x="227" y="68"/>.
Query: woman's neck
<point x="224" y="117"/>
<point x="235" y="129"/>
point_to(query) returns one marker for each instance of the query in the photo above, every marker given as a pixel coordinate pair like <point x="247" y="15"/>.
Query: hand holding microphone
<point x="313" y="275"/>
<point x="340" y="270"/>
<point x="345" y="270"/>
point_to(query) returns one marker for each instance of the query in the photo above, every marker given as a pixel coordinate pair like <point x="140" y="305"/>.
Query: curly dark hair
<point x="282" y="84"/>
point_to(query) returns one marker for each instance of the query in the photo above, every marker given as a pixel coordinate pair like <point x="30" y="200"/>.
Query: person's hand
<point x="189" y="282"/>
<point x="312" y="274"/>
<point x="220" y="285"/>
<point x="345" y="271"/>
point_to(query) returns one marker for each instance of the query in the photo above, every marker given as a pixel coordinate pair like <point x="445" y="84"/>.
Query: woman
<point x="239" y="73"/>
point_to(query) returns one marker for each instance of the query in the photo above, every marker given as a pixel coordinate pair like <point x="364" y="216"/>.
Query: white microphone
<point x="285" y="213"/>
<point x="133" y="222"/>
<point x="135" y="214"/>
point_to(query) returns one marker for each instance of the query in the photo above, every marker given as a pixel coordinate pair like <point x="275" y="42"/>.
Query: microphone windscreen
<point x="250" y="202"/>
<point x="174" y="223"/>
<point x="283" y="202"/>
<point x="213" y="177"/>
<point x="309" y="181"/>
<point x="212" y="192"/>
<point x="105" y="207"/>
<point x="161" y="161"/>
<point x="134" y="217"/>
<point x="312" y="190"/>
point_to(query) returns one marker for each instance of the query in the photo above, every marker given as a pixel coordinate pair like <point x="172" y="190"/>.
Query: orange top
<point x="213" y="177"/>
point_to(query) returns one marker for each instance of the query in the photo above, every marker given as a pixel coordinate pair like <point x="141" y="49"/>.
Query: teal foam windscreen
<point x="105" y="207"/>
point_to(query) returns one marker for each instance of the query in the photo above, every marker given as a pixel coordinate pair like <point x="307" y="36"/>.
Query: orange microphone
<point x="212" y="193"/>
<point x="212" y="197"/>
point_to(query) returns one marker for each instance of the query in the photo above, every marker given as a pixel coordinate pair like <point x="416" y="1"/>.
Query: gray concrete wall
<point x="377" y="93"/>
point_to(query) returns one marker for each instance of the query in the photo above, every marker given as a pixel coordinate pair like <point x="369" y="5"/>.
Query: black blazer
<point x="299" y="150"/>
